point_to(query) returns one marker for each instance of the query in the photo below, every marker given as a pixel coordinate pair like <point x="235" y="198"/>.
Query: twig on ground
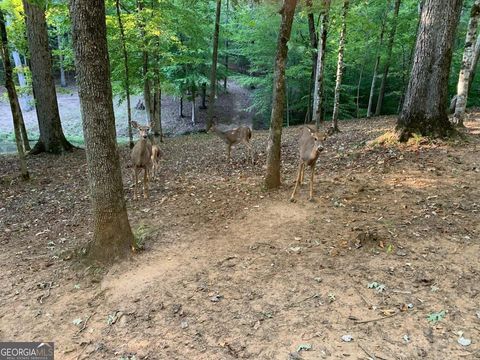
<point x="366" y="352"/>
<point x="84" y="324"/>
<point x="470" y="353"/>
<point x="307" y="298"/>
<point x="373" y="320"/>
<point x="47" y="294"/>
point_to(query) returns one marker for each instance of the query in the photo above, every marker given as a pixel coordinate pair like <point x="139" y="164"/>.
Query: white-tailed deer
<point x="239" y="135"/>
<point x="142" y="158"/>
<point x="155" y="159"/>
<point x="310" y="146"/>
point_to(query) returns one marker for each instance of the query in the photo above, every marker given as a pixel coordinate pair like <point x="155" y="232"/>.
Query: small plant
<point x="433" y="318"/>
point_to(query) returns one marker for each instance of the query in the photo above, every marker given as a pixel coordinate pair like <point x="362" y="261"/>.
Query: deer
<point x="310" y="146"/>
<point x="155" y="159"/>
<point x="141" y="158"/>
<point x="238" y="135"/>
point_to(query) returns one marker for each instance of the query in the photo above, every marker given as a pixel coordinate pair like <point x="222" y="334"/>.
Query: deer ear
<point x="134" y="124"/>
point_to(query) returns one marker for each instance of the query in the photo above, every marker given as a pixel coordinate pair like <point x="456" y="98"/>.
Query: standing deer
<point x="155" y="159"/>
<point x="142" y="158"/>
<point x="239" y="135"/>
<point x="310" y="146"/>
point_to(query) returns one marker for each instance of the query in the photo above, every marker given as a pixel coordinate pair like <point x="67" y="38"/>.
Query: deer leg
<point x="300" y="169"/>
<point x="229" y="150"/>
<point x="311" y="182"/>
<point x="302" y="175"/>
<point x="145" y="182"/>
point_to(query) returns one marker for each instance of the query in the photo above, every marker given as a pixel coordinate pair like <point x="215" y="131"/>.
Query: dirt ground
<point x="230" y="271"/>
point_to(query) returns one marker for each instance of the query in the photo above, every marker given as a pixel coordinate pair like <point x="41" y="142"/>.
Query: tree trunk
<point x="194" y="115"/>
<point x="272" y="178"/>
<point x="340" y="68"/>
<point x="467" y="61"/>
<point x="112" y="235"/>
<point x="127" y="78"/>
<point x="388" y="60"/>
<point x="63" y="81"/>
<point x="213" y="73"/>
<point x="157" y="110"/>
<point x="12" y="97"/>
<point x="359" y="85"/>
<point x="52" y="139"/>
<point x="204" y="96"/>
<point x="313" y="44"/>
<point x="26" y="101"/>
<point x="377" y="61"/>
<point x="225" y="80"/>
<point x="410" y="59"/>
<point x="180" y="107"/>
<point x="425" y="107"/>
<point x="320" y="65"/>
<point x="147" y="91"/>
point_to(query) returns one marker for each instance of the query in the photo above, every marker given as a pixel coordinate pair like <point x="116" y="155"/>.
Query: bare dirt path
<point x="230" y="271"/>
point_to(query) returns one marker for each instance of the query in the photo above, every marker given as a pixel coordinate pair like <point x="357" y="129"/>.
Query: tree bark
<point x="157" y="110"/>
<point x="466" y="67"/>
<point x="320" y="65"/>
<point x="425" y="107"/>
<point x="127" y="78"/>
<point x="12" y="97"/>
<point x="388" y="60"/>
<point x="204" y="96"/>
<point x="63" y="81"/>
<point x="112" y="235"/>
<point x="377" y="61"/>
<point x="340" y="68"/>
<point x="227" y="12"/>
<point x="272" y="178"/>
<point x="359" y="84"/>
<point x="213" y="73"/>
<point x="180" y="107"/>
<point x="147" y="89"/>
<point x="313" y="44"/>
<point x="52" y="139"/>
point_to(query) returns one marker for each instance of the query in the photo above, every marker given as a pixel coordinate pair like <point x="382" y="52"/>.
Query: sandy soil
<point x="230" y="271"/>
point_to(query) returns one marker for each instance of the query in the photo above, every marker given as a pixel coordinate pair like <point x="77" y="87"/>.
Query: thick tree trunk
<point x="213" y="73"/>
<point x="272" y="178"/>
<point x="127" y="78"/>
<point x="12" y="97"/>
<point x="147" y="90"/>
<point x="180" y="107"/>
<point x="468" y="57"/>
<point x="51" y="139"/>
<point x="320" y="65"/>
<point x="340" y="68"/>
<point x="63" y="81"/>
<point x="388" y="60"/>
<point x="425" y="107"/>
<point x="377" y="61"/>
<point x="203" y="106"/>
<point x="112" y="235"/>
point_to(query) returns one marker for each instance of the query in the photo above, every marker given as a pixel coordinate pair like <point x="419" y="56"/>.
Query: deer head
<point x="142" y="130"/>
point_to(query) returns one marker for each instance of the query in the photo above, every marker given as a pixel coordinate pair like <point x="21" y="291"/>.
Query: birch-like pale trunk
<point x="466" y="67"/>
<point x="320" y="65"/>
<point x="340" y="67"/>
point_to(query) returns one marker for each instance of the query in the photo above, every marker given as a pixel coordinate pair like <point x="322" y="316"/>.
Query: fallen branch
<point x="373" y="320"/>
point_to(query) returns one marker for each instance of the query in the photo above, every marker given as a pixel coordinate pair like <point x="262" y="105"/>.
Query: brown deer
<point x="155" y="159"/>
<point x="310" y="146"/>
<point x="141" y="158"/>
<point x="239" y="135"/>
